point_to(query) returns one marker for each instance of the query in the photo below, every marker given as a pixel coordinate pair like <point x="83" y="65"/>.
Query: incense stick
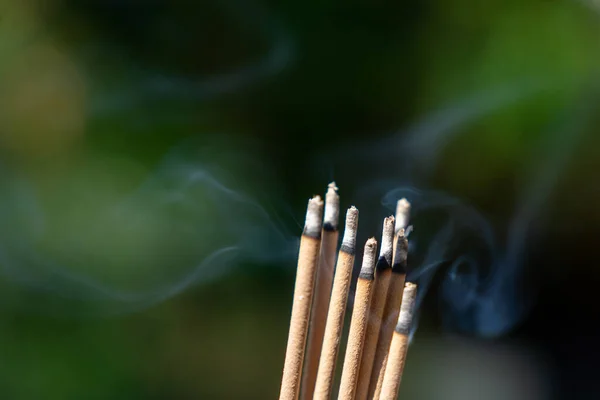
<point x="323" y="282"/>
<point x="390" y="315"/>
<point x="337" y="308"/>
<point x="399" y="347"/>
<point x="402" y="218"/>
<point x="358" y="324"/>
<point x="307" y="264"/>
<point x="382" y="283"/>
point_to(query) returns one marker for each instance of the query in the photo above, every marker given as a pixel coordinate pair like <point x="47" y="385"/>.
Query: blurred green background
<point x="156" y="158"/>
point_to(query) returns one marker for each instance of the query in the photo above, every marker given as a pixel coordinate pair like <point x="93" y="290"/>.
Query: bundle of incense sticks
<point x="382" y="311"/>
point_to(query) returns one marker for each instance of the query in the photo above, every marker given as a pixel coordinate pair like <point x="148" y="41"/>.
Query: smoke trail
<point x="425" y="140"/>
<point x="146" y="84"/>
<point x="414" y="151"/>
<point x="482" y="288"/>
<point x="182" y="226"/>
<point x="87" y="242"/>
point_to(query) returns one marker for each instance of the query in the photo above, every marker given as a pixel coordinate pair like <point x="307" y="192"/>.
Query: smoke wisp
<point x="482" y="290"/>
<point x="113" y="253"/>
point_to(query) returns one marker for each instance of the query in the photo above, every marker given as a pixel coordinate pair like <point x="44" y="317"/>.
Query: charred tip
<point x="407" y="309"/>
<point x="387" y="244"/>
<point x="349" y="240"/>
<point x="314" y="215"/>
<point x="401" y="255"/>
<point x="328" y="227"/>
<point x="367" y="270"/>
<point x="402" y="214"/>
<point x="332" y="208"/>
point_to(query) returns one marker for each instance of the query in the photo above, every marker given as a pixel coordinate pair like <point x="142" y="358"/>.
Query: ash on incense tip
<point x="332" y="208"/>
<point x="367" y="270"/>
<point x="349" y="241"/>
<point x="314" y="213"/>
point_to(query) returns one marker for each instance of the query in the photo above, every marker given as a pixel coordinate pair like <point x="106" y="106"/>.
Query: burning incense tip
<point x="349" y="241"/>
<point x="387" y="243"/>
<point x="367" y="270"/>
<point x="402" y="214"/>
<point x="314" y="214"/>
<point x="401" y="256"/>
<point x="407" y="309"/>
<point x="332" y="208"/>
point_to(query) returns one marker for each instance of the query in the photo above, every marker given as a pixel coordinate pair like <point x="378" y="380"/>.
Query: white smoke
<point x="182" y="226"/>
<point x="483" y="290"/>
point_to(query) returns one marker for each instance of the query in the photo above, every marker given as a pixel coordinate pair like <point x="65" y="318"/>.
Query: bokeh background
<point x="156" y="158"/>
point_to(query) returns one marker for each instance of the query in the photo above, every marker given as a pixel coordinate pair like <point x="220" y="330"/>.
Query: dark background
<point x="156" y="158"/>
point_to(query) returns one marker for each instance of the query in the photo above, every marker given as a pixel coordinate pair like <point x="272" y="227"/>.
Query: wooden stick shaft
<point x="358" y="329"/>
<point x="334" y="326"/>
<point x="395" y="367"/>
<point x="390" y="316"/>
<point x="320" y="308"/>
<point x="382" y="283"/>
<point x="294" y="355"/>
<point x="399" y="347"/>
<point x="383" y="277"/>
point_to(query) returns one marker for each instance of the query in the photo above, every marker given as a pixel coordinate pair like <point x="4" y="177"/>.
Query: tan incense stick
<point x="305" y="276"/>
<point x="322" y="295"/>
<point x="399" y="347"/>
<point x="358" y="324"/>
<point x="337" y="308"/>
<point x="390" y="315"/>
<point x="382" y="282"/>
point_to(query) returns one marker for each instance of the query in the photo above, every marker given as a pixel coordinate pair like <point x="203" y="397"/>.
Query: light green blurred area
<point x="224" y="338"/>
